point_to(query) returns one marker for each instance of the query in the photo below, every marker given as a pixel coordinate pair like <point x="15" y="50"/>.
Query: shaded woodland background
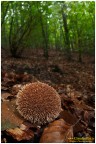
<point x="63" y="26"/>
<point x="51" y="42"/>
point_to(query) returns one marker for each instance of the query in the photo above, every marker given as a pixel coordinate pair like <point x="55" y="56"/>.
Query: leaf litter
<point x="75" y="84"/>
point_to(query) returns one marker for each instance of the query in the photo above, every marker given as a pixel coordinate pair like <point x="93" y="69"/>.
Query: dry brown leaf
<point x="19" y="134"/>
<point x="68" y="117"/>
<point x="9" y="116"/>
<point x="91" y="114"/>
<point x="83" y="106"/>
<point x="79" y="104"/>
<point x="89" y="118"/>
<point x="23" y="127"/>
<point x="5" y="95"/>
<point x="86" y="116"/>
<point x="4" y="88"/>
<point x="9" y="77"/>
<point x="72" y="119"/>
<point x="26" y="77"/>
<point x="16" y="88"/>
<point x="57" y="132"/>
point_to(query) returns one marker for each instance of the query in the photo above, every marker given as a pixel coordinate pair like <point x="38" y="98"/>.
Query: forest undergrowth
<point x="75" y="83"/>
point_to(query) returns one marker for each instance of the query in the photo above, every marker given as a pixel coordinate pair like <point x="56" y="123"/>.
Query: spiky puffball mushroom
<point x="39" y="103"/>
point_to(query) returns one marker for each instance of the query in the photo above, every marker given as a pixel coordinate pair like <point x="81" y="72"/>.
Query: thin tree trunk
<point x="68" y="51"/>
<point x="4" y="14"/>
<point x="80" y="51"/>
<point x="44" y="34"/>
<point x="15" y="42"/>
<point x="45" y="40"/>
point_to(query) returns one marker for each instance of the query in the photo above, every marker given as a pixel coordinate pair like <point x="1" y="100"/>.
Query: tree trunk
<point x="44" y="34"/>
<point x="45" y="40"/>
<point x="15" y="42"/>
<point x="2" y="21"/>
<point x="68" y="51"/>
<point x="80" y="51"/>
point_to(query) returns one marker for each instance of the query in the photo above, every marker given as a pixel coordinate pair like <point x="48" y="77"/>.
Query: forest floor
<point x="75" y="83"/>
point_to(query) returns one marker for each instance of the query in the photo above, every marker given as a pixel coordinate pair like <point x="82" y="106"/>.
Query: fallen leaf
<point x="23" y="127"/>
<point x="26" y="77"/>
<point x="16" y="88"/>
<point x="68" y="117"/>
<point x="9" y="77"/>
<point x="5" y="95"/>
<point x="79" y="104"/>
<point x="19" y="134"/>
<point x="9" y="116"/>
<point x="57" y="132"/>
<point x="4" y="88"/>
